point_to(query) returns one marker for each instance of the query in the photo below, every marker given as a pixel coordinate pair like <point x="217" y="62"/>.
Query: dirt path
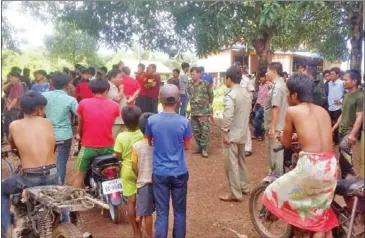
<point x="207" y="216"/>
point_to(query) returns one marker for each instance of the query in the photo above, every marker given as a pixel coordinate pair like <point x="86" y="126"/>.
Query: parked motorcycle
<point x="350" y="213"/>
<point x="35" y="217"/>
<point x="103" y="182"/>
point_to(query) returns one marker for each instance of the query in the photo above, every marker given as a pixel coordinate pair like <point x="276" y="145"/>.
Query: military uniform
<point x="237" y="108"/>
<point x="201" y="97"/>
<point x="276" y="98"/>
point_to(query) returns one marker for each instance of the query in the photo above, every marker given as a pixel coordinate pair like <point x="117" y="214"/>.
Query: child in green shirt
<point x="123" y="150"/>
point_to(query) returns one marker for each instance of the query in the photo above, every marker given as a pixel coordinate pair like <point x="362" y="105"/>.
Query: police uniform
<point x="237" y="107"/>
<point x="276" y="98"/>
<point x="249" y="87"/>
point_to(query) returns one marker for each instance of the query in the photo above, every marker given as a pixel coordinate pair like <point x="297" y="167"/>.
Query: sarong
<point x="303" y="196"/>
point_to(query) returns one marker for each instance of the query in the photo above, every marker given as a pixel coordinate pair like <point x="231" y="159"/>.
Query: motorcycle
<point x="103" y="182"/>
<point x="350" y="212"/>
<point x="35" y="217"/>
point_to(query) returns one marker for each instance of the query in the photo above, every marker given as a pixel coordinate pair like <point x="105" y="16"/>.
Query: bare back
<point x="313" y="127"/>
<point x="35" y="140"/>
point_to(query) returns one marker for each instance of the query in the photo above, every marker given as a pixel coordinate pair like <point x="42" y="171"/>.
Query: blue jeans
<point x="259" y="116"/>
<point x="64" y="148"/>
<point x="177" y="186"/>
<point x="14" y="184"/>
<point x="184" y="104"/>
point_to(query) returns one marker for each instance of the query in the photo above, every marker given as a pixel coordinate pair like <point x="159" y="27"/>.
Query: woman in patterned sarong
<point x="302" y="197"/>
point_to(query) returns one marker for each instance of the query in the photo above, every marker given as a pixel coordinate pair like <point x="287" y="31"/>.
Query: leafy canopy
<point x="70" y="43"/>
<point x="177" y="26"/>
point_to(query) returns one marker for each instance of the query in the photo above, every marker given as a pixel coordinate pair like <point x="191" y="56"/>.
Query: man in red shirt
<point x="15" y="89"/>
<point x="142" y="100"/>
<point x="82" y="89"/>
<point x="131" y="87"/>
<point x="152" y="85"/>
<point x="96" y="117"/>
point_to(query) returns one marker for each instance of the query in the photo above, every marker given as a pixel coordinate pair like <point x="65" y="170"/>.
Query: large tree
<point x="263" y="26"/>
<point x="349" y="15"/>
<point x="72" y="44"/>
<point x="174" y="27"/>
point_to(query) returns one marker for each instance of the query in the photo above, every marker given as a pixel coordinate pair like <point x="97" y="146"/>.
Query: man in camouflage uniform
<point x="201" y="97"/>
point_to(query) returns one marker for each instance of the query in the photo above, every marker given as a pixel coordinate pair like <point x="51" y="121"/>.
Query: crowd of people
<point x="110" y="109"/>
<point x="295" y="109"/>
<point x="118" y="114"/>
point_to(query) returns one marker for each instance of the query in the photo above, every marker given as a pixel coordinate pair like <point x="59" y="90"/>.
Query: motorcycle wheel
<point x="114" y="213"/>
<point x="255" y="215"/>
<point x="66" y="230"/>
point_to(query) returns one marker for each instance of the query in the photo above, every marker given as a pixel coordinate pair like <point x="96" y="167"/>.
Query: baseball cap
<point x="169" y="94"/>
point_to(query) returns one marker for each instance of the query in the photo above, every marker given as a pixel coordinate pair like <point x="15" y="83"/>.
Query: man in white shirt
<point x="335" y="97"/>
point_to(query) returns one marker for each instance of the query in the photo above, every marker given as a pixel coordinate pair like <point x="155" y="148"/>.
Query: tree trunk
<point x="356" y="41"/>
<point x="262" y="47"/>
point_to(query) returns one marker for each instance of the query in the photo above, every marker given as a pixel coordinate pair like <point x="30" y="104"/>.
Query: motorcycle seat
<point x="346" y="187"/>
<point x="103" y="159"/>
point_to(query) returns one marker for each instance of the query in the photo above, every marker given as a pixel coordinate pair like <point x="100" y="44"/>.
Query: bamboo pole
<point x="97" y="202"/>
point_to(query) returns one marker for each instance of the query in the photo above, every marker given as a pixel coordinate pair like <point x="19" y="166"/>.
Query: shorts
<point x="145" y="202"/>
<point x="86" y="154"/>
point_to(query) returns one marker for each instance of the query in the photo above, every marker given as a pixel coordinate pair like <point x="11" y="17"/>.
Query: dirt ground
<point x="207" y="216"/>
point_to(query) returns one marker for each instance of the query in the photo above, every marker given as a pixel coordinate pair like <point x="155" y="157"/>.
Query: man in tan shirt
<point x="116" y="94"/>
<point x="274" y="116"/>
<point x="237" y="107"/>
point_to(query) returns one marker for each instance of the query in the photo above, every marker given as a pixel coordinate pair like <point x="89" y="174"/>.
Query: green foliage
<point x="32" y="59"/>
<point x="73" y="45"/>
<point x="175" y="26"/>
<point x="218" y="105"/>
<point x="8" y="33"/>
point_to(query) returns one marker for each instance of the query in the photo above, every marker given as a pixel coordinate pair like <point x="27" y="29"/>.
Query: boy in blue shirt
<point x="40" y="85"/>
<point x="170" y="133"/>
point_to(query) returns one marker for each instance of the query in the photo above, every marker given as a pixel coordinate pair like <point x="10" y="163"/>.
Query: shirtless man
<point x="302" y="197"/>
<point x="38" y="161"/>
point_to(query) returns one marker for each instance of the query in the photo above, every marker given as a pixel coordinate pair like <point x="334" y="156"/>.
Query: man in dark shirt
<point x="175" y="78"/>
<point x="327" y="79"/>
<point x="15" y="90"/>
<point x="350" y="120"/>
<point x="26" y="78"/>
<point x="78" y="78"/>
<point x="318" y="90"/>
